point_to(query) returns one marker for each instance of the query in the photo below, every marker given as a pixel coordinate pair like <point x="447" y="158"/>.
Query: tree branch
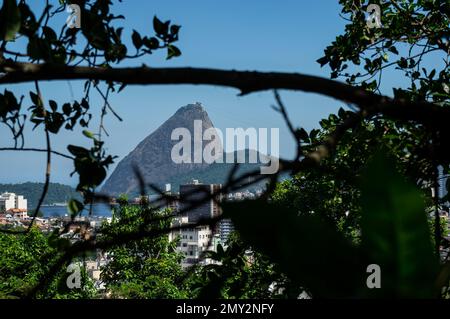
<point x="47" y="173"/>
<point x="32" y="149"/>
<point x="245" y="81"/>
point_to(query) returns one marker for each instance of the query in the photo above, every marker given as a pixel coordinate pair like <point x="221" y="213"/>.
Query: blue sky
<point x="248" y="35"/>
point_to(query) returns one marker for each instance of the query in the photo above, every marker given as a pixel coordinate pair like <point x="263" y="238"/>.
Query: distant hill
<point x="153" y="157"/>
<point x="57" y="193"/>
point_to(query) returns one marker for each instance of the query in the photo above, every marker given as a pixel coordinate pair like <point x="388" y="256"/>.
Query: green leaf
<point x="172" y="51"/>
<point x="74" y="207"/>
<point x="35" y="99"/>
<point x="95" y="31"/>
<point x="322" y="61"/>
<point x="174" y="29"/>
<point x="122" y="86"/>
<point x="49" y="34"/>
<point x="38" y="48"/>
<point x="88" y="134"/>
<point x="307" y="249"/>
<point x="432" y="74"/>
<point x="220" y="251"/>
<point x="160" y="27"/>
<point x="10" y="101"/>
<point x="67" y="109"/>
<point x="9" y="20"/>
<point x="393" y="49"/>
<point x="55" y="121"/>
<point x="302" y="134"/>
<point x="151" y="43"/>
<point x="137" y="40"/>
<point x="85" y="103"/>
<point x="395" y="232"/>
<point x="53" y="105"/>
<point x="78" y="151"/>
<point x="58" y="243"/>
<point x="403" y="63"/>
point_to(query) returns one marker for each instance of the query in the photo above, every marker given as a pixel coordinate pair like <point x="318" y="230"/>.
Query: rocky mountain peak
<point x="194" y="108"/>
<point x="153" y="154"/>
<point x="153" y="158"/>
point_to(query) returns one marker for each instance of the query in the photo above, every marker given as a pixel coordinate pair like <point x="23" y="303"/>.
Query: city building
<point x="195" y="203"/>
<point x="193" y="241"/>
<point x="196" y="199"/>
<point x="18" y="213"/>
<point x="226" y="227"/>
<point x="173" y="203"/>
<point x="169" y="200"/>
<point x="11" y="201"/>
<point x="442" y="178"/>
<point x="93" y="268"/>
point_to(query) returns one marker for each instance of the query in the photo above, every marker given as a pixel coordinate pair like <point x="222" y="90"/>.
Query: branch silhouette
<point x="245" y="81"/>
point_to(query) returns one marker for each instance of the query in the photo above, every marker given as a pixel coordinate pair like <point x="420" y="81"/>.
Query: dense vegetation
<point x="149" y="268"/>
<point x="24" y="259"/>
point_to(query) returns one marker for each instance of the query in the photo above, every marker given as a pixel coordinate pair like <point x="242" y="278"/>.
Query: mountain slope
<point x="153" y="158"/>
<point x="218" y="173"/>
<point x="152" y="155"/>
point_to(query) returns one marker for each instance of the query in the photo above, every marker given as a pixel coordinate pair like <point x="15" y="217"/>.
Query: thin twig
<point x="31" y="149"/>
<point x="282" y="109"/>
<point x="47" y="172"/>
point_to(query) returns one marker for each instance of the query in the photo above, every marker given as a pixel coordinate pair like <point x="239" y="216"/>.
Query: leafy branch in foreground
<point x="314" y="254"/>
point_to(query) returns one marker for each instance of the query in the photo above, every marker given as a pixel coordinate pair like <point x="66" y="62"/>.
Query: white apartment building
<point x="193" y="241"/>
<point x="9" y="201"/>
<point x="226" y="227"/>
